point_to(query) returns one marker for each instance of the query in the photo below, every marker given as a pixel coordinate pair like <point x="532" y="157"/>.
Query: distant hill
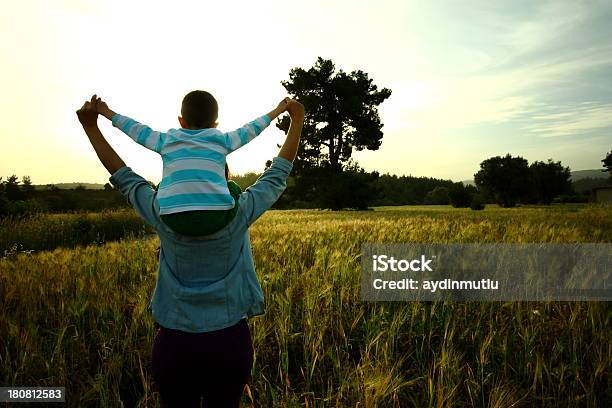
<point x="593" y="174"/>
<point x="70" y="186"/>
<point x="575" y="176"/>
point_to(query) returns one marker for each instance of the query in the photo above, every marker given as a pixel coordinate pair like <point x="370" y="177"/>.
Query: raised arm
<point x="136" y="189"/>
<point x="241" y="136"/>
<point x="271" y="184"/>
<point x="88" y="116"/>
<point x="290" y="147"/>
<point x="141" y="134"/>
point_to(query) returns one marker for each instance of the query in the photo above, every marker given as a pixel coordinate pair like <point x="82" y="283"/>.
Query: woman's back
<point x="206" y="283"/>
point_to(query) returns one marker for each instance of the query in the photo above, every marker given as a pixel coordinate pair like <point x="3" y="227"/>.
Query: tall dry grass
<point x="77" y="318"/>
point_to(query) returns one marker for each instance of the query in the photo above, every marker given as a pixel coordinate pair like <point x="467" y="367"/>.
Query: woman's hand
<point x="295" y="109"/>
<point x="87" y="114"/>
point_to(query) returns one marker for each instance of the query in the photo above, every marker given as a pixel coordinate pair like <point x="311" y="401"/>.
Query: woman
<point x="206" y="286"/>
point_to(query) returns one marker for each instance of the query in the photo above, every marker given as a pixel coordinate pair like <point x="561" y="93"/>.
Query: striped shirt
<point x="193" y="162"/>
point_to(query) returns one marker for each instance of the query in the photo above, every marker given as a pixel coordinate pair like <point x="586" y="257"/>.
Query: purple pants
<point x="212" y="367"/>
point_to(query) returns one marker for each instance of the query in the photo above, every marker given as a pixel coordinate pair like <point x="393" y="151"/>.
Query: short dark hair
<point x="199" y="109"/>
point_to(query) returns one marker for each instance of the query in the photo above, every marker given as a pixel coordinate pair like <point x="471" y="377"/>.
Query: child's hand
<point x="103" y="109"/>
<point x="280" y="108"/>
<point x="295" y="109"/>
<point x="282" y="105"/>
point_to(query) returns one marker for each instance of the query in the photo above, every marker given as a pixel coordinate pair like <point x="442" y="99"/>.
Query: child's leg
<point x="234" y="188"/>
<point x="203" y="222"/>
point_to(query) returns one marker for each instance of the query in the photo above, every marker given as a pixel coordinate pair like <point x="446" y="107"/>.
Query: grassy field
<point x="76" y="316"/>
<point x="49" y="231"/>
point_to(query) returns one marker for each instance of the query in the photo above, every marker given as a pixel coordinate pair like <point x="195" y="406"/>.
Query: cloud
<point x="539" y="57"/>
<point x="572" y="120"/>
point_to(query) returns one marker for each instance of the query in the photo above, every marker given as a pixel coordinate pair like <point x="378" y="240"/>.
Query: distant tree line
<point x="505" y="180"/>
<point x="19" y="197"/>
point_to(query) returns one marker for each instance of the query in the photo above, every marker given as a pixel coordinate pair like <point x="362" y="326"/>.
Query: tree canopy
<point x="549" y="180"/>
<point x="341" y="113"/>
<point x="504" y="179"/>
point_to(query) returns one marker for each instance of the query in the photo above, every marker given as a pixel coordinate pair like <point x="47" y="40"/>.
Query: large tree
<point x="341" y="114"/>
<point x="504" y="179"/>
<point x="549" y="180"/>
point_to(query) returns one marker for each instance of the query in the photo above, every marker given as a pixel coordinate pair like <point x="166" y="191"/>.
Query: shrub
<point x="460" y="195"/>
<point x="25" y="207"/>
<point x="477" y="203"/>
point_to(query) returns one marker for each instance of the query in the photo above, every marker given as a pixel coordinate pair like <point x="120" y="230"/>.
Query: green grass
<point x="50" y="231"/>
<point x="77" y="318"/>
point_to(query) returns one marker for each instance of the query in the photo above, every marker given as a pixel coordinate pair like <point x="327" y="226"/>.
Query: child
<point x="194" y="197"/>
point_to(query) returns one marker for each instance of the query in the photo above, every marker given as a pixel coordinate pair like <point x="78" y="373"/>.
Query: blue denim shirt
<point x="206" y="283"/>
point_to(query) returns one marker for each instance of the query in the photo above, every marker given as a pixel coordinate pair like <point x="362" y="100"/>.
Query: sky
<point x="469" y="79"/>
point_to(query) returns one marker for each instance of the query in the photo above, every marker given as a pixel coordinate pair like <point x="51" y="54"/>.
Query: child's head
<point x="199" y="111"/>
